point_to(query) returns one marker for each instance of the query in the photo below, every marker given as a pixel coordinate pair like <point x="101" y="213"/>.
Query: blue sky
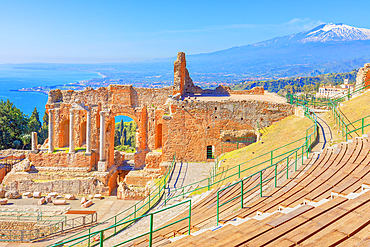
<point x="121" y="31"/>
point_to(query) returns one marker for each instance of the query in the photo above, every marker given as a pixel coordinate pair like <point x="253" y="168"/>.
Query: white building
<point x="329" y="91"/>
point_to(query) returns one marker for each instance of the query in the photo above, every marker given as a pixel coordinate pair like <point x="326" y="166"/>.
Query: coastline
<point x="79" y="85"/>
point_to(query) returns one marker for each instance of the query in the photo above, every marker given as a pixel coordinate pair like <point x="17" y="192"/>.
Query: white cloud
<point x="296" y="24"/>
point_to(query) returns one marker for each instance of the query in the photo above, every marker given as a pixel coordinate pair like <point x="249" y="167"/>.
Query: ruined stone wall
<point x="194" y="125"/>
<point x="2" y="174"/>
<point x="363" y="75"/>
<point x="62" y="159"/>
<point x="254" y="91"/>
<point x="72" y="186"/>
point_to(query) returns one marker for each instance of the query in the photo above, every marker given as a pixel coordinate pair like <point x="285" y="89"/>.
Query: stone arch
<point x="64" y="133"/>
<point x="140" y="117"/>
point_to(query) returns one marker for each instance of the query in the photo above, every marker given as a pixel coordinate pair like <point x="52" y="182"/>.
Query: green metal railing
<point x="294" y="155"/>
<point x="29" y="216"/>
<point x="101" y="236"/>
<point x="46" y="229"/>
<point x="133" y="212"/>
<point x="216" y="177"/>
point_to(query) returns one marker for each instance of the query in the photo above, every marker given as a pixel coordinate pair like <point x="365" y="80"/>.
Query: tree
<point x="26" y="139"/>
<point x="44" y="129"/>
<point x="34" y="123"/>
<point x="13" y="123"/>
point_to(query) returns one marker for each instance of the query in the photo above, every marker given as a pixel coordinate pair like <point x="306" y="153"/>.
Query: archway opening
<point x="83" y="134"/>
<point x="210" y="152"/>
<point x="158" y="136"/>
<point x="64" y="139"/>
<point x="125" y="134"/>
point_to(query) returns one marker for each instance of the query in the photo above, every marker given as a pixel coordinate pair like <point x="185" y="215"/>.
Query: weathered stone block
<point x="87" y="204"/>
<point x="59" y="202"/>
<point x="12" y="194"/>
<point x="26" y="195"/>
<point x="70" y="197"/>
<point x="37" y="194"/>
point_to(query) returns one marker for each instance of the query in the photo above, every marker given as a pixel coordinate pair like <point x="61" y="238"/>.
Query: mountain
<point x="325" y="49"/>
<point x="323" y="33"/>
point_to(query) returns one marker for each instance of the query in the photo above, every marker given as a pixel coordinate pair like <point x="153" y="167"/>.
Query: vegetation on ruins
<point x="285" y="131"/>
<point x="306" y="85"/>
<point x="124" y="136"/>
<point x="16" y="127"/>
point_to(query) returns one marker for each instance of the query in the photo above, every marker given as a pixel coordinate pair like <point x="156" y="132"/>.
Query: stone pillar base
<point x="102" y="166"/>
<point x="88" y="153"/>
<point x="34" y="151"/>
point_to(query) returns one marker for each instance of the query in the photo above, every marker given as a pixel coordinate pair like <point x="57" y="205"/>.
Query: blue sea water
<point x="14" y="78"/>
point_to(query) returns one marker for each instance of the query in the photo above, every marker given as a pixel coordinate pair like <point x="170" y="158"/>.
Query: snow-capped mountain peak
<point x="335" y="32"/>
<point x="323" y="33"/>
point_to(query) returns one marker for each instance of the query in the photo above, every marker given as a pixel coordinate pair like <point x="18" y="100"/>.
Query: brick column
<point x="51" y="132"/>
<point x="71" y="132"/>
<point x="88" y="133"/>
<point x="34" y="142"/>
<point x="102" y="159"/>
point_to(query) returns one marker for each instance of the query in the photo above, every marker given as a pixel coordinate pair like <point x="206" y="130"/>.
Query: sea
<point x="16" y="78"/>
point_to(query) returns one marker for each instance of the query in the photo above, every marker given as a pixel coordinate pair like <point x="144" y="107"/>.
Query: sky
<point x="122" y="31"/>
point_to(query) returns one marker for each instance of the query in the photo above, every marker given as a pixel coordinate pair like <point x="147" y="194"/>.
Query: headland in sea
<point x="13" y="80"/>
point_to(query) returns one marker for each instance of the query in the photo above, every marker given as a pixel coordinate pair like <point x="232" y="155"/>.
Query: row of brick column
<point x="102" y="135"/>
<point x="71" y="132"/>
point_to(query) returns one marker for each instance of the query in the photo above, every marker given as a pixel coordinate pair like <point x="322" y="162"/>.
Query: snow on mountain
<point x="336" y="32"/>
<point x="323" y="33"/>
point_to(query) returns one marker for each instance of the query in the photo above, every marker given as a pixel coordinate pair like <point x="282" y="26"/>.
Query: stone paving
<point x="106" y="208"/>
<point x="184" y="174"/>
<point x="325" y="134"/>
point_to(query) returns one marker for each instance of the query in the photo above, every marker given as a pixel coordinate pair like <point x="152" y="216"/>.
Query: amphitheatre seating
<point x="205" y="211"/>
<point x="337" y="172"/>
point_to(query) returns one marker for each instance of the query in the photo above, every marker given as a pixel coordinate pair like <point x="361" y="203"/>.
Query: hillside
<point x="296" y="84"/>
<point x="277" y="135"/>
<point x="353" y="110"/>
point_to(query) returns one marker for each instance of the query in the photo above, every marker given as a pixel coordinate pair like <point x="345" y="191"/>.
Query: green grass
<point x="353" y="109"/>
<point x="277" y="135"/>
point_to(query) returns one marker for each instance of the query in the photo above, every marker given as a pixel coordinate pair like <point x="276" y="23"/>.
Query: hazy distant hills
<point x="324" y="49"/>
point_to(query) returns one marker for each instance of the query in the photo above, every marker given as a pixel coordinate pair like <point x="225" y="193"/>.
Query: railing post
<point x="275" y="175"/>
<point x="302" y="156"/>
<point x="88" y="241"/>
<point x="272" y="157"/>
<point x="209" y="185"/>
<point x="151" y="231"/>
<point x="115" y="223"/>
<point x="241" y="193"/>
<point x="101" y="238"/>
<point x="260" y="183"/>
<point x="362" y="127"/>
<point x="239" y="171"/>
<point x="135" y="211"/>
<point x="189" y="217"/>
<point x="346" y="133"/>
<point x="287" y="167"/>
<point x="296" y="156"/>
<point x="218" y="204"/>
